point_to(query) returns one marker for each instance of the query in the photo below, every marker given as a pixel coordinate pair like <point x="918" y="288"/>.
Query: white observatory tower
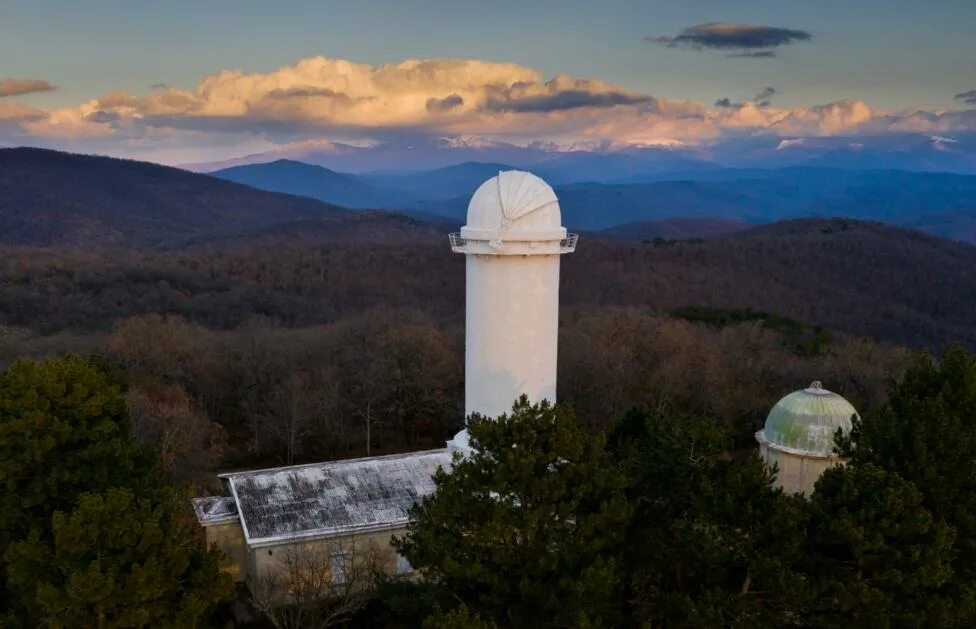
<point x="512" y="243"/>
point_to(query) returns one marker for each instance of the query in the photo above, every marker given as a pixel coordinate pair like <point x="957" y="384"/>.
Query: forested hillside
<point x="861" y="278"/>
<point x="49" y="198"/>
<point x="278" y="349"/>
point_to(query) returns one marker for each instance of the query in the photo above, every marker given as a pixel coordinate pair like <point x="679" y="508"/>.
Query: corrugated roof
<point x="324" y="499"/>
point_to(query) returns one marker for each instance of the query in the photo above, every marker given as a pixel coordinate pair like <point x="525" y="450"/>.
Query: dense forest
<point x="392" y="380"/>
<point x="658" y="520"/>
<point x="277" y="351"/>
<point x="861" y="278"/>
<point x="656" y="525"/>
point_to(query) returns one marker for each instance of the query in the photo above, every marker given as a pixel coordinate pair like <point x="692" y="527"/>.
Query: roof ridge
<point x="381" y="457"/>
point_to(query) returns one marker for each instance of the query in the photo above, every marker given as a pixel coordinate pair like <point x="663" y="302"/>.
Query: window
<point x="403" y="565"/>
<point x="338" y="565"/>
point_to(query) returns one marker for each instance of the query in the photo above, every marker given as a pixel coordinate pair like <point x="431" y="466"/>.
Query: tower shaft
<point x="511" y="331"/>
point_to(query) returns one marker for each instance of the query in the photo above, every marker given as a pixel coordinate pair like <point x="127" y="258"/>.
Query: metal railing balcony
<point x="459" y="244"/>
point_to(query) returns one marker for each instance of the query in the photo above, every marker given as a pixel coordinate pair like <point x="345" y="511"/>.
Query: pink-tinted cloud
<point x="342" y="100"/>
<point x="18" y="87"/>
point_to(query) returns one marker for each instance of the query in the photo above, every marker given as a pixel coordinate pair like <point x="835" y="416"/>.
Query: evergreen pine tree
<point x="877" y="556"/>
<point x="711" y="542"/>
<point x="87" y="523"/>
<point x="524" y="530"/>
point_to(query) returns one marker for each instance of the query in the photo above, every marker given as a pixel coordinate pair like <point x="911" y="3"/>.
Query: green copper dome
<point x="805" y="421"/>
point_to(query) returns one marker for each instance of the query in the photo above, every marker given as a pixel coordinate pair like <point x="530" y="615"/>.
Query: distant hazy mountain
<point x="307" y="180"/>
<point x="390" y="190"/>
<point x="442" y="183"/>
<point x="598" y="191"/>
<point x="939" y="203"/>
<point x="583" y="166"/>
<point x="407" y="154"/>
<point x="594" y="161"/>
<point x="586" y="162"/>
<point x="49" y="198"/>
<point x="954" y="153"/>
<point x="674" y="229"/>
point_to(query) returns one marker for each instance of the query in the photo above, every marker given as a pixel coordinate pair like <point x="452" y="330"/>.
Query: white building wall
<point x="511" y="331"/>
<point x="797" y="474"/>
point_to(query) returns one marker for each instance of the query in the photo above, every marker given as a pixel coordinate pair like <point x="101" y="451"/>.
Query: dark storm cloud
<point x="17" y="87"/>
<point x="763" y="98"/>
<point x="967" y="97"/>
<point x="746" y="38"/>
<point x="444" y="105"/>
<point x="564" y="100"/>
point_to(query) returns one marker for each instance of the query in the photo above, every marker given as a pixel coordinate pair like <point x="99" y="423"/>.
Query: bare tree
<point x="365" y="368"/>
<point x="165" y="417"/>
<point x="259" y="365"/>
<point x="320" y="585"/>
<point x="290" y="410"/>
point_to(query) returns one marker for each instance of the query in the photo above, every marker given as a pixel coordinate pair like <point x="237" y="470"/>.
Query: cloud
<point x="444" y="105"/>
<point x="349" y="99"/>
<point x="967" y="97"/>
<point x="762" y="99"/>
<point x="14" y="111"/>
<point x="760" y="54"/>
<point x="341" y="101"/>
<point x="745" y="39"/>
<point x="18" y="87"/>
<point x="561" y="94"/>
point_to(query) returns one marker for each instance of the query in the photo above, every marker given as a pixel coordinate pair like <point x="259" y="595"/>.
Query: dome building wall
<point x="796" y="473"/>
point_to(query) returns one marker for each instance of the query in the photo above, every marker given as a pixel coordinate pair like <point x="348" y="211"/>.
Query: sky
<point x="179" y="80"/>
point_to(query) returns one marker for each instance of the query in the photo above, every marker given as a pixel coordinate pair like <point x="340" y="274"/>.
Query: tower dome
<point x="798" y="438"/>
<point x="514" y="206"/>
<point x="806" y="421"/>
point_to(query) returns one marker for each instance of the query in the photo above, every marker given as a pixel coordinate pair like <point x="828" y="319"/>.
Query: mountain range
<point x="600" y="161"/>
<point x="939" y="203"/>
<point x="49" y="198"/>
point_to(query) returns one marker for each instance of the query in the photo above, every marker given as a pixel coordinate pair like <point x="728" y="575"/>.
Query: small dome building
<point x="799" y="436"/>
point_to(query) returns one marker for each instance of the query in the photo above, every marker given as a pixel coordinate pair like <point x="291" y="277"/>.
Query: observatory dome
<point x="515" y="205"/>
<point x="805" y="421"/>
